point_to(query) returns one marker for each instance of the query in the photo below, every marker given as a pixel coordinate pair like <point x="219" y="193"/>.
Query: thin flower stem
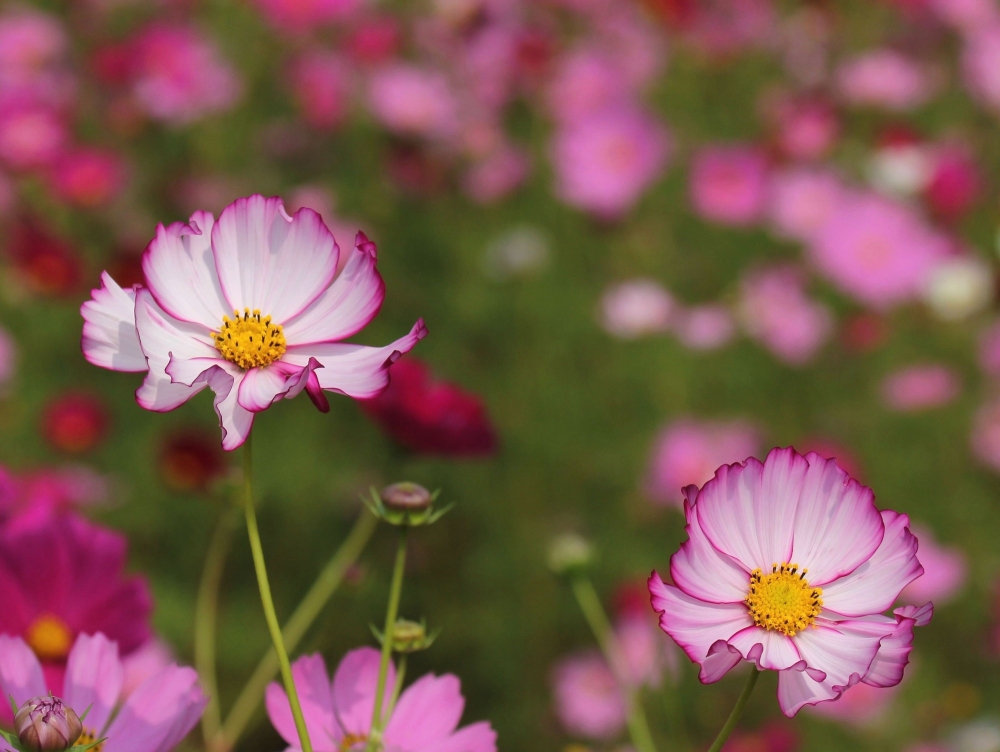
<point x="593" y="611"/>
<point x="205" y="616"/>
<point x="295" y="629"/>
<point x="675" y="717"/>
<point x="265" y="598"/>
<point x="400" y="677"/>
<point x="375" y="738"/>
<point x="734" y="717"/>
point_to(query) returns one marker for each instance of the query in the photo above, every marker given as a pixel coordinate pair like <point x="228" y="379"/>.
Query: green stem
<point x="375" y="737"/>
<point x="734" y="717"/>
<point x="295" y="629"/>
<point x="265" y="598"/>
<point x="593" y="612"/>
<point x="675" y="717"/>
<point x="400" y="677"/>
<point x="205" y="617"/>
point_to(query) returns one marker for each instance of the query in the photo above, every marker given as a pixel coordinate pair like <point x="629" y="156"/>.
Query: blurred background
<point x="647" y="239"/>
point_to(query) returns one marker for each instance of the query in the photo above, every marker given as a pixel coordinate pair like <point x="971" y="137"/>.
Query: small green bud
<point x="409" y="636"/>
<point x="570" y="552"/>
<point x="405" y="503"/>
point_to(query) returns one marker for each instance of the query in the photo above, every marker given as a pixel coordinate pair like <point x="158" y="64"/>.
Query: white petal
<point x="109" y="336"/>
<point x="767" y="648"/>
<point x="703" y="572"/>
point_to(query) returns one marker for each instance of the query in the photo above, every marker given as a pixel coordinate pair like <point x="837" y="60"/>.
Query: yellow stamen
<point x="783" y="600"/>
<point x="351" y="740"/>
<point x="250" y="341"/>
<point x="89" y="736"/>
<point x="50" y="638"/>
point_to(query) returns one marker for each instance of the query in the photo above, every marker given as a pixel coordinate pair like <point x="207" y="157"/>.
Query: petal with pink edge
<point x="703" y="572"/>
<point x="158" y="714"/>
<point x="272" y="262"/>
<point x="873" y="587"/>
<point x="313" y="685"/>
<point x="180" y="272"/>
<point x="766" y="648"/>
<point x="841" y="650"/>
<point x="354" y="690"/>
<point x="235" y="420"/>
<point x="345" y="307"/>
<point x="797" y="688"/>
<point x="20" y="671"/>
<point x="476" y="737"/>
<point x="837" y="526"/>
<point x="355" y="370"/>
<point x="262" y="387"/>
<point x="109" y="336"/>
<point x="428" y="711"/>
<point x="693" y="624"/>
<point x="94" y="678"/>
<point x="722" y="658"/>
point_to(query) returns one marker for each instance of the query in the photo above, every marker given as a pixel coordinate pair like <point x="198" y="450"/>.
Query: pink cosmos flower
<point x="299" y="16"/>
<point x="728" y="184"/>
<point x="884" y="78"/>
<point x="704" y="327"/>
<point x="789" y="565"/>
<point x="147" y="661"/>
<point x="276" y="276"/>
<point x="635" y="308"/>
<point x="497" y="174"/>
<point x="85" y="590"/>
<point x="981" y="65"/>
<point x="955" y="184"/>
<point x="88" y="177"/>
<point x="877" y="250"/>
<point x="32" y="499"/>
<point x="32" y="135"/>
<point x="588" y="700"/>
<point x="321" y="82"/>
<point x="801" y="200"/>
<point x="605" y="162"/>
<point x="33" y="62"/>
<point x="860" y="706"/>
<point x="920" y="387"/>
<point x="586" y="82"/>
<point x="687" y="452"/>
<point x="75" y="422"/>
<point x="154" y="717"/>
<point x="339" y="714"/>
<point x="776" y="311"/>
<point x="965" y="15"/>
<point x="945" y="569"/>
<point x="805" y="128"/>
<point x="413" y="101"/>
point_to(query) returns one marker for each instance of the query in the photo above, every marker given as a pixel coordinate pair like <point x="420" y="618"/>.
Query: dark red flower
<point x="46" y="264"/>
<point x="75" y="422"/>
<point x="191" y="460"/>
<point x="429" y="416"/>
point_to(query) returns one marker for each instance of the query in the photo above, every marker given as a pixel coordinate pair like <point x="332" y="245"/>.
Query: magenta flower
<point x="413" y="101"/>
<point x="85" y="590"/>
<point x="728" y="184"/>
<point x="789" y="565"/>
<point x="588" y="699"/>
<point x="250" y="306"/>
<point x="801" y="200"/>
<point x="981" y="64"/>
<point x="920" y="387"/>
<point x="300" y="16"/>
<point x="635" y="308"/>
<point x="703" y="327"/>
<point x="945" y="570"/>
<point x="33" y="499"/>
<point x="339" y="715"/>
<point x="155" y="717"/>
<point x="886" y="79"/>
<point x="321" y="82"/>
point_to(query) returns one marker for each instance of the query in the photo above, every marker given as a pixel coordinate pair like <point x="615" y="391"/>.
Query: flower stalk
<point x="734" y="717"/>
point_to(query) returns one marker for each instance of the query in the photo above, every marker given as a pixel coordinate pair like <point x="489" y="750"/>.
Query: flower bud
<point x="45" y="724"/>
<point x="408" y="636"/>
<point x="406" y="496"/>
<point x="407" y="504"/>
<point x="568" y="553"/>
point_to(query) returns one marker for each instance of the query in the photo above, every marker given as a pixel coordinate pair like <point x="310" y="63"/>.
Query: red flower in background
<point x="47" y="265"/>
<point x="430" y="416"/>
<point x="191" y="460"/>
<point x="75" y="422"/>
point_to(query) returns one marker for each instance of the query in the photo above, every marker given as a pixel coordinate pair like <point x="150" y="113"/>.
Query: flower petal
<point x="693" y="624"/>
<point x="767" y="648"/>
<point x="797" y="687"/>
<point x="873" y="586"/>
<point x="837" y="526"/>
<point x="159" y="713"/>
<point x="235" y="420"/>
<point x="703" y="572"/>
<point x="476" y="737"/>
<point x="313" y="685"/>
<point x="269" y="261"/>
<point x="427" y="712"/>
<point x="94" y="677"/>
<point x="354" y="690"/>
<point x="262" y="387"/>
<point x="345" y="307"/>
<point x="109" y="336"/>
<point x="841" y="650"/>
<point x="355" y="370"/>
<point x="20" y="671"/>
<point x="180" y="272"/>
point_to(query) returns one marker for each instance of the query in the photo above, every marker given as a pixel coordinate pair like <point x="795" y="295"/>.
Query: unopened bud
<point x="569" y="552"/>
<point x="45" y="724"/>
<point x="407" y="504"/>
<point x="408" y="636"/>
<point x="406" y="496"/>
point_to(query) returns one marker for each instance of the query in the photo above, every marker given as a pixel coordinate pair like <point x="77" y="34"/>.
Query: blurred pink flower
<point x="635" y="308"/>
<point x="31" y="499"/>
<point x="645" y="655"/>
<point x="413" y="101"/>
<point x="877" y="250"/>
<point x="886" y="79"/>
<point x="801" y="200"/>
<point x="704" y="327"/>
<point x="322" y="86"/>
<point x="806" y="128"/>
<point x="43" y="263"/>
<point x="981" y="64"/>
<point x="985" y="438"/>
<point x="497" y="174"/>
<point x="88" y="177"/>
<point x="775" y="311"/>
<point x="965" y="15"/>
<point x="178" y="75"/>
<point x="588" y="699"/>
<point x="157" y="714"/>
<point x="8" y="360"/>
<point x="955" y="184"/>
<point x="75" y="422"/>
<point x="31" y="134"/>
<point x="723" y="28"/>
<point x="586" y="82"/>
<point x="860" y="706"/>
<point x="375" y="40"/>
<point x="605" y="162"/>
<point x="945" y="569"/>
<point x="33" y="60"/>
<point x="191" y="461"/>
<point x="86" y="590"/>
<point x="989" y="349"/>
<point x="920" y="387"/>
<point x="687" y="452"/>
<point x="339" y="714"/>
<point x="302" y="16"/>
<point x="728" y="184"/>
<point x="145" y="662"/>
<point x="773" y="736"/>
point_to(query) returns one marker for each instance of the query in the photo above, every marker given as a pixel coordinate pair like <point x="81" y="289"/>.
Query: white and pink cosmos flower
<point x="789" y="565"/>
<point x="250" y="306"/>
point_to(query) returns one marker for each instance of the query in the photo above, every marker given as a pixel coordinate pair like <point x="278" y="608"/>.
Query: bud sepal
<point x="45" y="724"/>
<point x="405" y="504"/>
<point x="408" y="636"/>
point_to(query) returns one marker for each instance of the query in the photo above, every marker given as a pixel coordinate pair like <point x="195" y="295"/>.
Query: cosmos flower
<point x="339" y="715"/>
<point x="155" y="717"/>
<point x="789" y="565"/>
<point x="728" y="184"/>
<point x="588" y="700"/>
<point x="250" y="306"/>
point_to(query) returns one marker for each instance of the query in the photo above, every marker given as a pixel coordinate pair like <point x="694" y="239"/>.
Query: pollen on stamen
<point x="783" y="600"/>
<point x="236" y="341"/>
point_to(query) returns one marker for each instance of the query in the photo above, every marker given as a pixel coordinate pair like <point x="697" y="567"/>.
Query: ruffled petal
<point x="842" y="650"/>
<point x="272" y="262"/>
<point x="313" y="685"/>
<point x="703" y="572"/>
<point x="477" y="737"/>
<point x="159" y="713"/>
<point x="180" y="271"/>
<point x="94" y="678"/>
<point x="427" y="712"/>
<point x="109" y="336"/>
<point x="234" y="419"/>
<point x="766" y="648"/>
<point x="874" y="585"/>
<point x="693" y="624"/>
<point x="355" y="370"/>
<point x="797" y="687"/>
<point x="20" y="672"/>
<point x="354" y="690"/>
<point x="721" y="659"/>
<point x="837" y="526"/>
<point x="262" y="387"/>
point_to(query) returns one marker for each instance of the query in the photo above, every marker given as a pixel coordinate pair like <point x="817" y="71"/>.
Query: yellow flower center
<point x="352" y="741"/>
<point x="783" y="600"/>
<point x="89" y="736"/>
<point x="50" y="638"/>
<point x="248" y="340"/>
